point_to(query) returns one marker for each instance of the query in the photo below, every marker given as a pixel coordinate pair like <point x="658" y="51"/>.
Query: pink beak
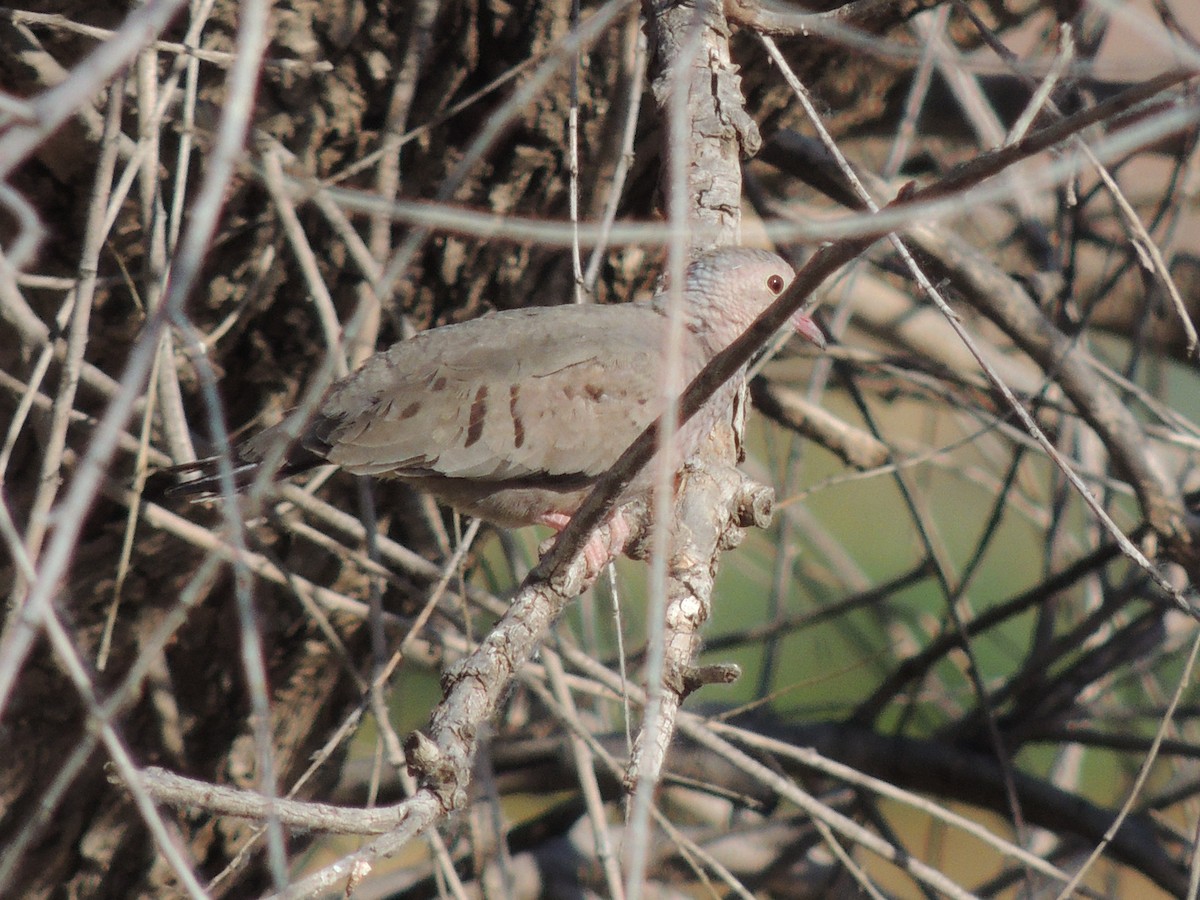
<point x="808" y="329"/>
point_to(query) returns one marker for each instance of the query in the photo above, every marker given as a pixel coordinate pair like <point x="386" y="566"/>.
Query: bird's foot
<point x="606" y="543"/>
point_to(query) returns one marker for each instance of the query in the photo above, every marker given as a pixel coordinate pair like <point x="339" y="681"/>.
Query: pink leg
<point x="596" y="551"/>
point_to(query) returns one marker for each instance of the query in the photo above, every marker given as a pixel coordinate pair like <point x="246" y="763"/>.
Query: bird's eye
<point x="775" y="284"/>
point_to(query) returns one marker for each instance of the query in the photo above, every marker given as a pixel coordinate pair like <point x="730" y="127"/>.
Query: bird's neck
<point x="714" y="331"/>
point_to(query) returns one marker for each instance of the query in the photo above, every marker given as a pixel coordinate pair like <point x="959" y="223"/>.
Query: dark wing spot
<point x="594" y="391"/>
<point x="475" y="421"/>
<point x="518" y="425"/>
<point x="411" y="410"/>
<point x="439" y="383"/>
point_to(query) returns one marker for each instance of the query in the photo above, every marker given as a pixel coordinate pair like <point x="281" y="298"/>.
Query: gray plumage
<point x="513" y="416"/>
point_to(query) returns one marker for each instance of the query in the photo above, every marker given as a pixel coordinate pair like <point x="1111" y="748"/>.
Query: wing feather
<point x="555" y="391"/>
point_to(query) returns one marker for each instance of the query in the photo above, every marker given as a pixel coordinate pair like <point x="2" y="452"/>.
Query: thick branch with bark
<point x="478" y="129"/>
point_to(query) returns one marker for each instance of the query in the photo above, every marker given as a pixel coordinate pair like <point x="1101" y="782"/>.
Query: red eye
<point x="775" y="284"/>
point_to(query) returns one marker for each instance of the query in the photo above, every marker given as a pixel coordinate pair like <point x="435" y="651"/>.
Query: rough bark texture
<point x="327" y="97"/>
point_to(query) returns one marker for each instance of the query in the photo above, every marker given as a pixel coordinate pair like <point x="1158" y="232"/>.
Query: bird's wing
<point x="547" y="392"/>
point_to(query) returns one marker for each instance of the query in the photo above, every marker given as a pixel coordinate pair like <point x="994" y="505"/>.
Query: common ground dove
<point x="513" y="416"/>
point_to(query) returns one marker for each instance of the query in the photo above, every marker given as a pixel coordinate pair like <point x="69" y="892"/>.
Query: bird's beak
<point x="808" y="329"/>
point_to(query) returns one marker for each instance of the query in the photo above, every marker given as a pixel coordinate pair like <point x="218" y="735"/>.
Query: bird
<point x="513" y="416"/>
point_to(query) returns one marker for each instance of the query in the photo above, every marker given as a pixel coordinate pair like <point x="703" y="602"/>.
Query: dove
<point x="513" y="416"/>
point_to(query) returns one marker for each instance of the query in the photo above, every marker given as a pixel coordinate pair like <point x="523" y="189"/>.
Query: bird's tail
<point x="201" y="480"/>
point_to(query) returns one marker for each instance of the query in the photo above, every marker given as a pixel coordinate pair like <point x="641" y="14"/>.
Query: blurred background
<point x="956" y="672"/>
